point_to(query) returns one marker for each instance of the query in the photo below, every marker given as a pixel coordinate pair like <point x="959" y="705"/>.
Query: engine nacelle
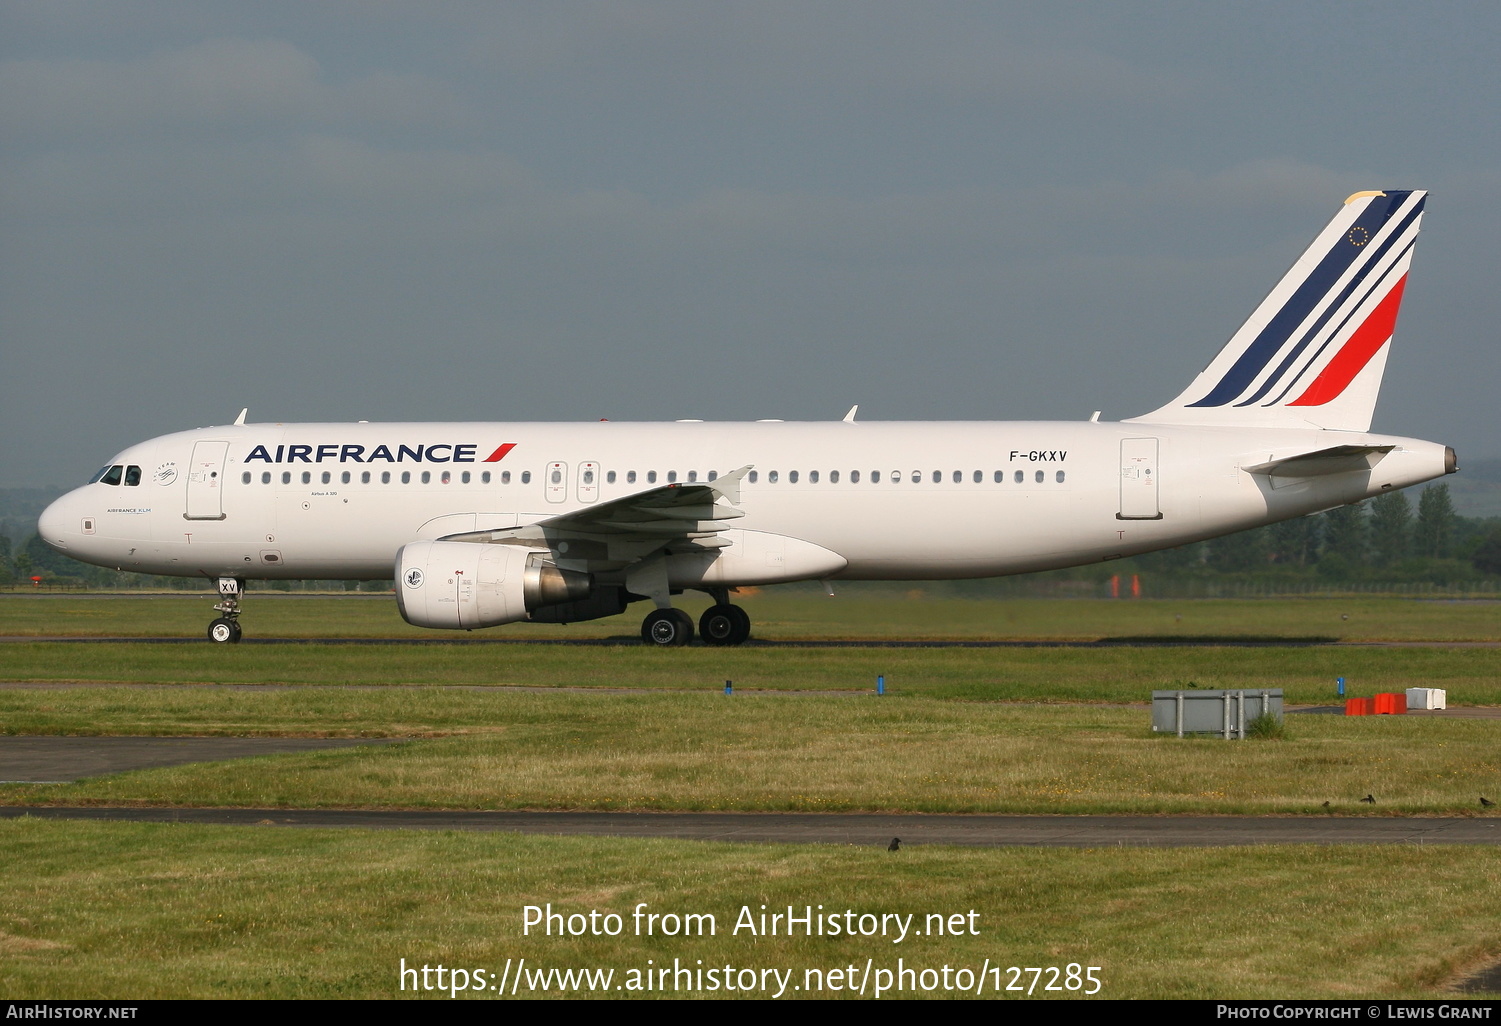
<point x="464" y="585"/>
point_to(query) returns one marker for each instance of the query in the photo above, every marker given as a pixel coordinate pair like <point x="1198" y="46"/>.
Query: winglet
<point x="849" y="418"/>
<point x="727" y="486"/>
<point x="240" y="420"/>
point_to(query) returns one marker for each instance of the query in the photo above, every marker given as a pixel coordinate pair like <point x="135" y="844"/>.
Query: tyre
<point x="667" y="628"/>
<point x="717" y="626"/>
<point x="224" y="631"/>
<point x="724" y="625"/>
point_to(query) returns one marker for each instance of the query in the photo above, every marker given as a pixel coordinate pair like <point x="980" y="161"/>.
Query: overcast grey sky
<point x="561" y="211"/>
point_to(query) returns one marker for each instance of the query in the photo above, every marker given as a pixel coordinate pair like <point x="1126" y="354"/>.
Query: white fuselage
<point x="892" y="500"/>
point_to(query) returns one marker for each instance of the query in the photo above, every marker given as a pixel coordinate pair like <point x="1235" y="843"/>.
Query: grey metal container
<point x="1226" y="712"/>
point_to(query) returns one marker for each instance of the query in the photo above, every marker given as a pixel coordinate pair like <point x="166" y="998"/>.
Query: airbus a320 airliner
<point x="482" y="524"/>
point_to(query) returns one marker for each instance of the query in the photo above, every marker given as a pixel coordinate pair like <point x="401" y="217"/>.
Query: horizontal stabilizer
<point x="1341" y="459"/>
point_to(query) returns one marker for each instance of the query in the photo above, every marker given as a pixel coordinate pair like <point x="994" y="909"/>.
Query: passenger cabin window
<point x="1041" y="476"/>
<point x="1060" y="477"/>
<point x="406" y="477"/>
<point x="875" y="476"/>
<point x="364" y="477"/>
<point x="937" y="476"/>
<point x="630" y="477"/>
<point x="854" y="476"/>
<point x="505" y="477"/>
<point x="266" y="477"/>
<point x="484" y="477"/>
<point x="651" y="477"/>
<point x="344" y="477"/>
<point x="307" y="477"/>
<point x="752" y="476"/>
<point x="286" y="477"/>
<point x="833" y="477"/>
<point x="958" y="476"/>
<point x="445" y="478"/>
<point x="1020" y="476"/>
<point x="713" y="475"/>
<point x="692" y="476"/>
<point x="813" y="477"/>
<point x="113" y="474"/>
<point x="245" y="477"/>
<point x="917" y="477"/>
<point x="385" y="477"/>
<point x="464" y="478"/>
<point x="610" y="477"/>
<point x="427" y="476"/>
<point x="1000" y="475"/>
<point x="557" y="476"/>
<point x="325" y="477"/>
<point x="672" y="475"/>
<point x="979" y="476"/>
<point x="526" y="477"/>
<point x="771" y="477"/>
<point x="792" y="477"/>
<point x="133" y="476"/>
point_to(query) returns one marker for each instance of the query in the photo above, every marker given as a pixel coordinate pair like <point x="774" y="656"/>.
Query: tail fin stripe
<point x="1351" y="360"/>
<point x="1270" y="340"/>
<point x="1398" y="268"/>
<point x="1361" y="278"/>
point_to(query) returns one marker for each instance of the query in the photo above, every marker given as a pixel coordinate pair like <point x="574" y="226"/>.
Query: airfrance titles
<point x="340" y="452"/>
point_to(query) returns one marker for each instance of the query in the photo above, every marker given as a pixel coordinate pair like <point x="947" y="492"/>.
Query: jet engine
<point x="464" y="585"/>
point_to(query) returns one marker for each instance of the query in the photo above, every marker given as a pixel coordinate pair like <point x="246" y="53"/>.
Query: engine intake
<point x="465" y="585"/>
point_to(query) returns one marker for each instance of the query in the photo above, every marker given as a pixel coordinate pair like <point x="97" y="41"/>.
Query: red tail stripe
<point x="1351" y="360"/>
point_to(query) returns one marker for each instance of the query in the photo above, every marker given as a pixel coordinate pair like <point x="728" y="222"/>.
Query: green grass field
<point x="523" y="750"/>
<point x="162" y="911"/>
<point x="128" y="910"/>
<point x="1116" y="674"/>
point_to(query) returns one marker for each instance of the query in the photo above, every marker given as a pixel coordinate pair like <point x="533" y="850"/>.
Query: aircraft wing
<point x="1340" y="459"/>
<point x="687" y="516"/>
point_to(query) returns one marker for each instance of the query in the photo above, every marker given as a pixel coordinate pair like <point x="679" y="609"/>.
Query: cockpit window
<point x="112" y="475"/>
<point x="102" y="471"/>
<point x="132" y="476"/>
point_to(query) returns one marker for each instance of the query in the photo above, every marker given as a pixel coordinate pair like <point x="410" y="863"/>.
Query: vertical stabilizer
<point x="1313" y="353"/>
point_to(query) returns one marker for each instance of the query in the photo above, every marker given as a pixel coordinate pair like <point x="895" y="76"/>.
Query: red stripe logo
<point x="500" y="454"/>
<point x="1351" y="360"/>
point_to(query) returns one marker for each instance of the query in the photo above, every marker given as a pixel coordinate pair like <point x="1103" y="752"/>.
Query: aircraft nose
<point x="56" y="524"/>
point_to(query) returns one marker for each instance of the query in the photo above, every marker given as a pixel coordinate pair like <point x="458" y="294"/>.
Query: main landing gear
<point x="225" y="630"/>
<point x="721" y="624"/>
<point x="724" y="624"/>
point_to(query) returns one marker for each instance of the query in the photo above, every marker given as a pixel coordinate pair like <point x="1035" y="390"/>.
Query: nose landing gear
<point x="225" y="630"/>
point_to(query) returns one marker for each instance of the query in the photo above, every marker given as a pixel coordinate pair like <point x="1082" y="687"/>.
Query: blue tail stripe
<point x="1356" y="282"/>
<point x="1317" y="285"/>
